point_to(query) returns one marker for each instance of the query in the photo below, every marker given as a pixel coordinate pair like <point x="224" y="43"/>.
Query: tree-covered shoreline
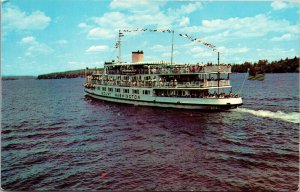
<point x="20" y="77"/>
<point x="264" y="66"/>
<point x="68" y="74"/>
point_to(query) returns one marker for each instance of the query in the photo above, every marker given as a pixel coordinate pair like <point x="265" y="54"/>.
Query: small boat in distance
<point x="256" y="73"/>
<point x="163" y="83"/>
<point x="259" y="77"/>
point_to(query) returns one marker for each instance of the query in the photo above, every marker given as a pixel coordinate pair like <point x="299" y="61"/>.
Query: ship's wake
<point x="292" y="117"/>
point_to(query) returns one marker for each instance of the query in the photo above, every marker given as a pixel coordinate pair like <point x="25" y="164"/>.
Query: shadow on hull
<point x="207" y="108"/>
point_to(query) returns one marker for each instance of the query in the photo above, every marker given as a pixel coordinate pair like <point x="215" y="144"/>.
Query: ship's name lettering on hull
<point x="105" y="94"/>
<point x="135" y="97"/>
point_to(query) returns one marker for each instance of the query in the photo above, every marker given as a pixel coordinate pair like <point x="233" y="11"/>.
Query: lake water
<point x="54" y="138"/>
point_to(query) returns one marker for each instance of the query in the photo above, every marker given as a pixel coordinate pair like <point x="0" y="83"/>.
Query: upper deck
<point x="138" y="67"/>
<point x="164" y="68"/>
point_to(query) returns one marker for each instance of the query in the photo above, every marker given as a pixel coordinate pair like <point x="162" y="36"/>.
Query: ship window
<point x="117" y="90"/>
<point x="136" y="91"/>
<point x="110" y="89"/>
<point x="125" y="90"/>
<point x="103" y="88"/>
<point x="146" y="92"/>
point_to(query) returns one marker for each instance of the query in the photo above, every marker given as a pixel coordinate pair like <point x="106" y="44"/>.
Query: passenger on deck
<point x="175" y="82"/>
<point x="215" y="94"/>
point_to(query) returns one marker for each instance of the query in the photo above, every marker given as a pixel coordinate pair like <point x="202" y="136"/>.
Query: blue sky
<point x="57" y="35"/>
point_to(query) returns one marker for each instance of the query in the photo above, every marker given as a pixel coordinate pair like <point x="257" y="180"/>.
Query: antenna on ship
<point x="119" y="46"/>
<point x="172" y="47"/>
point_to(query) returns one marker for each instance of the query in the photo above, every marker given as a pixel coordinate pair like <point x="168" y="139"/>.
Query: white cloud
<point x="35" y="48"/>
<point x="278" y="4"/>
<point x="159" y="20"/>
<point x="284" y="37"/>
<point x="29" y="39"/>
<point x="15" y="19"/>
<point x="97" y="48"/>
<point x="108" y="25"/>
<point x="119" y="20"/>
<point x="233" y="51"/>
<point x="200" y="52"/>
<point x="113" y="20"/>
<point x="101" y="33"/>
<point x="85" y="28"/>
<point x="82" y="25"/>
<point x="184" y="21"/>
<point x="131" y="14"/>
<point x="256" y="26"/>
<point x="141" y="6"/>
<point x="186" y="9"/>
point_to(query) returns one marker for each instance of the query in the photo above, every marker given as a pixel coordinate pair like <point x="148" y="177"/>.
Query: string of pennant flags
<point x="199" y="41"/>
<point x="121" y="34"/>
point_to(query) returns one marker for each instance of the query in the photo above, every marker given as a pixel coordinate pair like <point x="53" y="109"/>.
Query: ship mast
<point x="119" y="46"/>
<point x="172" y="47"/>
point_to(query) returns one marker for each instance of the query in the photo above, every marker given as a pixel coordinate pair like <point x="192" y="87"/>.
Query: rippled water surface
<point x="54" y="138"/>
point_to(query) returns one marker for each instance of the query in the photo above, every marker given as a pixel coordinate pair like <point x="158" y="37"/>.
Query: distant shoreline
<point x="282" y="66"/>
<point x="69" y="74"/>
<point x="16" y="77"/>
<point x="61" y="76"/>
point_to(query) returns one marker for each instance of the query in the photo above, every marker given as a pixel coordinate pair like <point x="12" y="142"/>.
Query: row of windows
<point x="135" y="91"/>
<point x="146" y="92"/>
<point x="118" y="90"/>
<point x="134" y="78"/>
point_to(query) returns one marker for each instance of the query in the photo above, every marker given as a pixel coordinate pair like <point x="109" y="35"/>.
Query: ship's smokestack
<point x="137" y="56"/>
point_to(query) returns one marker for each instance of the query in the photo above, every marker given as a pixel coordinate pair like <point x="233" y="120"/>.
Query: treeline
<point x="264" y="66"/>
<point x="68" y="74"/>
<point x="17" y="77"/>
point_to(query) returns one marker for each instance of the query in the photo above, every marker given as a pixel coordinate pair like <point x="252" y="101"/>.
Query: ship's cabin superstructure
<point x="161" y="79"/>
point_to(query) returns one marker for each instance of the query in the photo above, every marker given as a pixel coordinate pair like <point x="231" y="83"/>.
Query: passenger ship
<point x="163" y="84"/>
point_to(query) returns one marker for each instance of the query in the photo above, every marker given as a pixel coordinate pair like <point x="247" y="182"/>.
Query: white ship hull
<point x="169" y="102"/>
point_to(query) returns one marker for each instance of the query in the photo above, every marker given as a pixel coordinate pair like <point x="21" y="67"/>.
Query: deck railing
<point x="216" y="84"/>
<point x="183" y="69"/>
<point x="193" y="69"/>
<point x="160" y="84"/>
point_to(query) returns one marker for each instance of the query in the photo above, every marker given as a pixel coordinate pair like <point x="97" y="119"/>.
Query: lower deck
<point x="162" y="101"/>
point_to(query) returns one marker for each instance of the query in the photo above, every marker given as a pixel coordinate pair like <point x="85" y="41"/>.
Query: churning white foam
<point x="293" y="117"/>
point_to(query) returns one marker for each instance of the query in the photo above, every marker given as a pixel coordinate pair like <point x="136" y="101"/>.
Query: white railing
<point x="215" y="83"/>
<point x="195" y="69"/>
<point x="216" y="68"/>
<point x="224" y="83"/>
<point x="160" y="84"/>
